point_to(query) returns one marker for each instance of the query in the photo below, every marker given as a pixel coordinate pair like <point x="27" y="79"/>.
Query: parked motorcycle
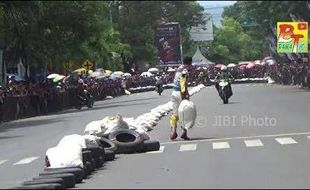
<point x="85" y="99"/>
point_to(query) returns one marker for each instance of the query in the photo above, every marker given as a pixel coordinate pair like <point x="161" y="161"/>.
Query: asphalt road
<point x="259" y="140"/>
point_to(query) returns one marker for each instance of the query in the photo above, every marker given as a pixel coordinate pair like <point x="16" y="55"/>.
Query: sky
<point x="216" y="12"/>
<point x="210" y="4"/>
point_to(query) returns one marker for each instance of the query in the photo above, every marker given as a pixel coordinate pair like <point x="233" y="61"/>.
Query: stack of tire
<point x="126" y="141"/>
<point x="66" y="177"/>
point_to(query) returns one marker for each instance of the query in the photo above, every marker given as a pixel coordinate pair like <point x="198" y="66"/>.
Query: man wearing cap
<point x="179" y="93"/>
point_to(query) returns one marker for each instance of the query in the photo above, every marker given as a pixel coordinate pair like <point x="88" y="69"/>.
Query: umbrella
<point x="270" y="62"/>
<point x="117" y="74"/>
<point x="231" y="65"/>
<point x="80" y="70"/>
<point x="96" y="74"/>
<point x="58" y="78"/>
<point x="51" y="76"/>
<point x="219" y="65"/>
<point x="242" y="67"/>
<point x="15" y="77"/>
<point x="250" y="65"/>
<point x="127" y="75"/>
<point x="146" y="74"/>
<point x="171" y="69"/>
<point x="257" y="62"/>
<point x="153" y="70"/>
<point x="244" y="63"/>
<point x="108" y="72"/>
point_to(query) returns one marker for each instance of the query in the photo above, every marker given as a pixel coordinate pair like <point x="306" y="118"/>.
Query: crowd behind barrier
<point x="21" y="99"/>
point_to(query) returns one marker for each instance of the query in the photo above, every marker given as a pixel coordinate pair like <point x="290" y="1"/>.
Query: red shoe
<point x="173" y="136"/>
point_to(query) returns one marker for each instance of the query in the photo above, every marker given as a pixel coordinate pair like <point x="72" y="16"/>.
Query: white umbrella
<point x="146" y="74"/>
<point x="117" y="74"/>
<point x="244" y="63"/>
<point x="127" y="75"/>
<point x="96" y="74"/>
<point x="153" y="70"/>
<point x="58" y="78"/>
<point x="171" y="69"/>
<point x="51" y="76"/>
<point x="231" y="65"/>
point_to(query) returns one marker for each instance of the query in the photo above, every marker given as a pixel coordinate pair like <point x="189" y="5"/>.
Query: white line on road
<point x="220" y="145"/>
<point x="253" y="143"/>
<point x="26" y="160"/>
<point x="161" y="150"/>
<point x="236" y="138"/>
<point x="3" y="161"/>
<point x="188" y="147"/>
<point x="286" y="140"/>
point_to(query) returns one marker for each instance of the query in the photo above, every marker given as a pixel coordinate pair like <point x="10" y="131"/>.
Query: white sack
<point x="187" y="114"/>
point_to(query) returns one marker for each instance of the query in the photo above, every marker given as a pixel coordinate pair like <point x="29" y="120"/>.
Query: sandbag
<point x="73" y="139"/>
<point x="187" y="114"/>
<point x="93" y="128"/>
<point x="111" y="124"/>
<point x="91" y="140"/>
<point x="65" y="156"/>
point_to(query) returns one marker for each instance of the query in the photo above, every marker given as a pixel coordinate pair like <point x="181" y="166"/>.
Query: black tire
<point x="87" y="169"/>
<point x="98" y="156"/>
<point x="100" y="162"/>
<point x="151" y="146"/>
<point x="41" y="186"/>
<point x="126" y="141"/>
<point x="78" y="173"/>
<point x="107" y="144"/>
<point x="68" y="178"/>
<point x="97" y="151"/>
<point x="109" y="155"/>
<point x="86" y="156"/>
<point x="46" y="181"/>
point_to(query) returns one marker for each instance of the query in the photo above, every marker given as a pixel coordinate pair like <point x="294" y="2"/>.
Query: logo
<point x="292" y="37"/>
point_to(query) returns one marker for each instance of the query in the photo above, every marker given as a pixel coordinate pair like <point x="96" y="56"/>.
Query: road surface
<point x="259" y="140"/>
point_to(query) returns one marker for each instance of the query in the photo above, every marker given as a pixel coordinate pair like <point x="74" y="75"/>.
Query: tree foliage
<point x="60" y="35"/>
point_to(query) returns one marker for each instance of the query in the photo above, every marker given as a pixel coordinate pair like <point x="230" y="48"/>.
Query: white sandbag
<point x="91" y="140"/>
<point x="187" y="114"/>
<point x="74" y="139"/>
<point x="111" y="124"/>
<point x="93" y="127"/>
<point x="65" y="156"/>
<point x="143" y="133"/>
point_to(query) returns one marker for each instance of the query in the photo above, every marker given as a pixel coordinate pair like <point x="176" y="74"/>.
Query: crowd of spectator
<point x="20" y="99"/>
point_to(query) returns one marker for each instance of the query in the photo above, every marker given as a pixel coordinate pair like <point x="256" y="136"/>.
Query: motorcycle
<point x="224" y="91"/>
<point x="85" y="100"/>
<point x="159" y="89"/>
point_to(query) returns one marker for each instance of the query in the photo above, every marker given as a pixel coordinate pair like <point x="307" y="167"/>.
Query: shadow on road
<point x="28" y="123"/>
<point x="9" y="137"/>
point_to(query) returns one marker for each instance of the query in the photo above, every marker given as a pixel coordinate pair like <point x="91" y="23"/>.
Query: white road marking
<point x="286" y="140"/>
<point x="220" y="145"/>
<point x="26" y="160"/>
<point x="3" y="161"/>
<point x="236" y="138"/>
<point x="161" y="150"/>
<point x="253" y="143"/>
<point x="188" y="147"/>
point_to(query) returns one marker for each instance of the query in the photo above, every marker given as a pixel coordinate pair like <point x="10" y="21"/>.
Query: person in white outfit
<point x="179" y="93"/>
